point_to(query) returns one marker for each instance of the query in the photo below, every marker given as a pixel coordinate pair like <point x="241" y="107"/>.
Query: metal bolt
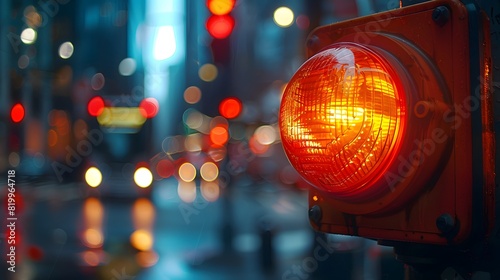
<point x="441" y="15"/>
<point x="315" y="214"/>
<point x="445" y="223"/>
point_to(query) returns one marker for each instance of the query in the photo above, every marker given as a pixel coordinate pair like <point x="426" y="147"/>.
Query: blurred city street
<point x="261" y="233"/>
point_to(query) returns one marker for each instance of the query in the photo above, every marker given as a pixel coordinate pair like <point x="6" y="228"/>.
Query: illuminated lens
<point x="143" y="177"/>
<point x="342" y="118"/>
<point x="93" y="177"/>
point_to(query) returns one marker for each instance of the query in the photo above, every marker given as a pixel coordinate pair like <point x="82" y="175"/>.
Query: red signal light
<point x="149" y="107"/>
<point x="95" y="106"/>
<point x="380" y="121"/>
<point x="220" y="27"/>
<point x="17" y="113"/>
<point x="230" y="107"/>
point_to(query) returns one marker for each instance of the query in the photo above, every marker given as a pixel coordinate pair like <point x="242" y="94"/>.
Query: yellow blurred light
<point x="93" y="238"/>
<point x="121" y="117"/>
<point x="220" y="7"/>
<point x="93" y="213"/>
<point x="143" y="177"/>
<point x="28" y="36"/>
<point x="208" y="72"/>
<point x="283" y="16"/>
<point x="143" y="213"/>
<point x="66" y="50"/>
<point x="187" y="172"/>
<point x="210" y="190"/>
<point x="142" y="240"/>
<point x="265" y="135"/>
<point x="209" y="171"/>
<point x="93" y="177"/>
<point x="186" y="191"/>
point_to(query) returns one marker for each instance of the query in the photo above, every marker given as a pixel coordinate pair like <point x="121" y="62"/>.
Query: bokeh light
<point x="66" y="50"/>
<point x="23" y="61"/>
<point x="192" y="95"/>
<point x="187" y="172"/>
<point x="283" y="16"/>
<point x="193" y="119"/>
<point x="127" y="67"/>
<point x="208" y="72"/>
<point x="91" y="258"/>
<point x="17" y="113"/>
<point x="14" y="159"/>
<point x="93" y="238"/>
<point x="219" y="135"/>
<point x="143" y="213"/>
<point x="186" y="191"/>
<point x="149" y="107"/>
<point x="28" y="36"/>
<point x="230" y="107"/>
<point x="220" y="27"/>
<point x="143" y="177"/>
<point x="32" y="17"/>
<point x="209" y="171"/>
<point x="165" y="168"/>
<point x="303" y="22"/>
<point x="142" y="240"/>
<point x="210" y="190"/>
<point x="265" y="135"/>
<point x="220" y="7"/>
<point x="193" y="142"/>
<point x="95" y="106"/>
<point x="97" y="82"/>
<point x="52" y="138"/>
<point x="93" y="177"/>
<point x="147" y="258"/>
